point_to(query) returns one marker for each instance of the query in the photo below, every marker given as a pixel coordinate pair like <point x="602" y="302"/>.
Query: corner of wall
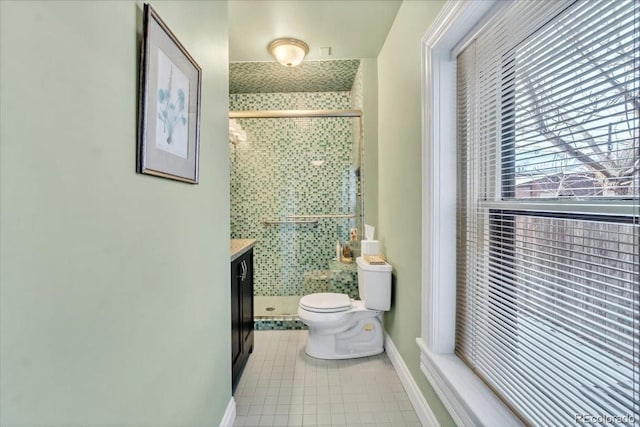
<point x="400" y="191"/>
<point x="115" y="285"/>
<point x="369" y="67"/>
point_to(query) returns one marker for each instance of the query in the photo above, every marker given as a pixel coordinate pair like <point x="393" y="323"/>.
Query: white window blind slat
<point x="549" y="299"/>
<point x="605" y="93"/>
<point x="581" y="31"/>
<point x="617" y="349"/>
<point x="515" y="379"/>
<point x="600" y="279"/>
<point x="544" y="369"/>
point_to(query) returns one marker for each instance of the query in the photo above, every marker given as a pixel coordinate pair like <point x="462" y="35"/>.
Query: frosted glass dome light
<point x="288" y="52"/>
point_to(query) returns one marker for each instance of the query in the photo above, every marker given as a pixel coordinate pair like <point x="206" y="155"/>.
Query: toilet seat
<point x="327" y="302"/>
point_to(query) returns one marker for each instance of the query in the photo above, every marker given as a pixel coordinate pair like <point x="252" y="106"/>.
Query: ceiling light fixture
<point x="289" y="52"/>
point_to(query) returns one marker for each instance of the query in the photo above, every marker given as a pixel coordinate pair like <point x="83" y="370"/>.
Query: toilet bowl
<point x="343" y="328"/>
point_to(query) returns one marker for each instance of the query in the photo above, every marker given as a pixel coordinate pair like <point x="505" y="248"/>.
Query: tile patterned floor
<point x="282" y="386"/>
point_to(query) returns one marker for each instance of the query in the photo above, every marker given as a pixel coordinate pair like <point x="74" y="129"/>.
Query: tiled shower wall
<point x="272" y="177"/>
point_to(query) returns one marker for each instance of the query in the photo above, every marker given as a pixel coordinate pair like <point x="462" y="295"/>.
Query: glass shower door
<point x="296" y="188"/>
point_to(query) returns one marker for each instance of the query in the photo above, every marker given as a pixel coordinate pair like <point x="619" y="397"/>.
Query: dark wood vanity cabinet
<point x="241" y="313"/>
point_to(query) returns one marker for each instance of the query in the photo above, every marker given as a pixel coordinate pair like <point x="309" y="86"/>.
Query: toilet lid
<point x="326" y="302"/>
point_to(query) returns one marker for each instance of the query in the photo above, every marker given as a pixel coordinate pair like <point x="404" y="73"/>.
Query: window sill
<point x="469" y="401"/>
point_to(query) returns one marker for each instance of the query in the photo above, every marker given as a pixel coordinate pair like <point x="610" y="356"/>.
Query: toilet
<point x="342" y="328"/>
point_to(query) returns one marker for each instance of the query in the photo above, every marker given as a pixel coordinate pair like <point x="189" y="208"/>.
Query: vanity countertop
<point x="240" y="246"/>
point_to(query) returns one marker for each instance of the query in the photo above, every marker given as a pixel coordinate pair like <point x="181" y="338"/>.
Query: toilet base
<point x="365" y="338"/>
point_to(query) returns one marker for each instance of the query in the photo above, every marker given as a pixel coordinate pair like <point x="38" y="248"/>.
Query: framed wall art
<point x="169" y="122"/>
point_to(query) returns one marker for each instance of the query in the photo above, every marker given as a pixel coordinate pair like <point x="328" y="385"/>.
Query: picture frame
<point x="169" y="111"/>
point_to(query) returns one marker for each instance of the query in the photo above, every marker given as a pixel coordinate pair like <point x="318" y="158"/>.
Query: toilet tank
<point x="374" y="285"/>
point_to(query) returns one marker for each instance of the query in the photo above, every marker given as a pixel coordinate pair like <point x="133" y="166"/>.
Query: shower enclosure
<point x="296" y="187"/>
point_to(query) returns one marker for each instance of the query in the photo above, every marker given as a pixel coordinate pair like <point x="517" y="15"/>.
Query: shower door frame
<point x="286" y="114"/>
<point x="351" y="113"/>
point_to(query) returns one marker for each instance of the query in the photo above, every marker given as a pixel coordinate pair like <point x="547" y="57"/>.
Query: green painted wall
<point x="114" y="286"/>
<point x="399" y="180"/>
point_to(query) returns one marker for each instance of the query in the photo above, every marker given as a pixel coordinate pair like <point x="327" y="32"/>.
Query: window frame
<point x="468" y="400"/>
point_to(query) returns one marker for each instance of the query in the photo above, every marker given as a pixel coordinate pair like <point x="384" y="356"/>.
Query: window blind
<point x="548" y="277"/>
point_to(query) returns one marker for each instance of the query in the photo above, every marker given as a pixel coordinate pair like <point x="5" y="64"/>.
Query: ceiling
<point x="352" y="29"/>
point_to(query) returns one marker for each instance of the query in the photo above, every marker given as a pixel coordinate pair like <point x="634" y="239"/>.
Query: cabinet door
<point x="247" y="305"/>
<point x="236" y="320"/>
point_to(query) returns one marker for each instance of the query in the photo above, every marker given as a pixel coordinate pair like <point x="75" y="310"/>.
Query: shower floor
<point x="282" y="307"/>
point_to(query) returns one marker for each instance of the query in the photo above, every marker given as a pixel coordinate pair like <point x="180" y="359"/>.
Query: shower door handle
<point x="321" y="216"/>
<point x="292" y="221"/>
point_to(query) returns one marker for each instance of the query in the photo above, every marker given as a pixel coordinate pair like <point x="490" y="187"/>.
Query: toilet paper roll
<point x="370" y="247"/>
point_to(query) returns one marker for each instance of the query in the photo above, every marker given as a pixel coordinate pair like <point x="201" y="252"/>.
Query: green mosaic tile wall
<point x="272" y="177"/>
<point x="357" y="90"/>
<point x="310" y="76"/>
<point x="290" y="101"/>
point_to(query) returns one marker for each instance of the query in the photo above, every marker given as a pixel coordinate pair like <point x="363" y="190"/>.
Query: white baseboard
<point x="229" y="417"/>
<point x="420" y="405"/>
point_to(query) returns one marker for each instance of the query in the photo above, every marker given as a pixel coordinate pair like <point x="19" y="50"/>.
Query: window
<point x="548" y="185"/>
